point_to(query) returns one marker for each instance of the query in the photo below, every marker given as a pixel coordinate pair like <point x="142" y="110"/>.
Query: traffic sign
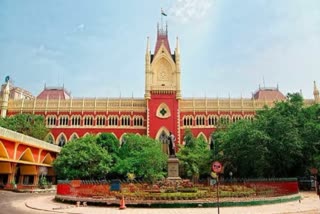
<point x="217" y="167"/>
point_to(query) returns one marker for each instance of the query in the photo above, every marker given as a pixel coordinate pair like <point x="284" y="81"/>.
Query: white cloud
<point x="187" y="10"/>
<point x="44" y="51"/>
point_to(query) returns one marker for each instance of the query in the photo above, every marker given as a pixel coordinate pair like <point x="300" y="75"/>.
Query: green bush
<point x="187" y="189"/>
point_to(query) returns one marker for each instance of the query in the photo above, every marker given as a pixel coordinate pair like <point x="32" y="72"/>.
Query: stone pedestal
<point x="173" y="169"/>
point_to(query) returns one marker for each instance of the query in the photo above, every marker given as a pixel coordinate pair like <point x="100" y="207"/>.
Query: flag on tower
<point x="163" y="13"/>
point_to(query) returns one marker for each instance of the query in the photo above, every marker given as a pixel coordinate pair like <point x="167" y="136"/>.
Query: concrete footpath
<point x="310" y="204"/>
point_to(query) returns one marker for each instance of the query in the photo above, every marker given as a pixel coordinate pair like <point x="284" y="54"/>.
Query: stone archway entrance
<point x="162" y="136"/>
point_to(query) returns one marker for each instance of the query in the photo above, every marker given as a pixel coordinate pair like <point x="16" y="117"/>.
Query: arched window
<point x="74" y="136"/>
<point x="62" y="140"/>
<point x="101" y="120"/>
<point x="51" y="120"/>
<point x="200" y="120"/>
<point x="122" y="139"/>
<point x="138" y="121"/>
<point x="187" y="120"/>
<point x="235" y="118"/>
<point x="113" y="120"/>
<point x="49" y="138"/>
<point x="212" y="120"/>
<point x="63" y="120"/>
<point x="249" y="117"/>
<point x="76" y="120"/>
<point x="202" y="136"/>
<point x="125" y="120"/>
<point x="88" y="120"/>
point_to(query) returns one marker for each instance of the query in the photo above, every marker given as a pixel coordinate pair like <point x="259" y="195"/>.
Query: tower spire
<point x="162" y="38"/>
<point x="148" y="45"/>
<point x="177" y="46"/>
<point x="315" y="92"/>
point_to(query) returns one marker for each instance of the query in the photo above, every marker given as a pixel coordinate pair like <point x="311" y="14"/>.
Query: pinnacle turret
<point x="315" y="92"/>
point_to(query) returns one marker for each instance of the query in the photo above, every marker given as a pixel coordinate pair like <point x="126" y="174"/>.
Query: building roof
<point x="268" y="94"/>
<point x="54" y="93"/>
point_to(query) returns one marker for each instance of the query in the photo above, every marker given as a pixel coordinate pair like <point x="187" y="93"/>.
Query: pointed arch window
<point x="74" y="136"/>
<point x="62" y="141"/>
<point x="49" y="139"/>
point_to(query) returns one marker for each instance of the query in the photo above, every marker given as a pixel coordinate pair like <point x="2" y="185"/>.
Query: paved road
<point x="13" y="203"/>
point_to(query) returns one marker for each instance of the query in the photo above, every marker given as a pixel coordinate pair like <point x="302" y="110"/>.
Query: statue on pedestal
<point x="172" y="145"/>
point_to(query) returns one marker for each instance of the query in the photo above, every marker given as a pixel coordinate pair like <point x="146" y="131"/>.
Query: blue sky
<point x="96" y="48"/>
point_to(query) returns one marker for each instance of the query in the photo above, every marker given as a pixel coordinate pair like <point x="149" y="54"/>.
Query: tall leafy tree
<point x="194" y="156"/>
<point x="109" y="142"/>
<point x="82" y="159"/>
<point x="244" y="149"/>
<point x="28" y="124"/>
<point x="141" y="156"/>
<point x="282" y="141"/>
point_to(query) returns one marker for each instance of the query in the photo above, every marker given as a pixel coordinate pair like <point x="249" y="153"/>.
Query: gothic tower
<point x="162" y="86"/>
<point x="162" y="69"/>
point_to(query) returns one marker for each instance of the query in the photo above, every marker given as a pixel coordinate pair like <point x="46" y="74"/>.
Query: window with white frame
<point x="113" y="120"/>
<point x="101" y="120"/>
<point x="187" y="121"/>
<point x="138" y="121"/>
<point x="88" y="120"/>
<point x="200" y="120"/>
<point x="125" y="120"/>
<point x="213" y="120"/>
<point x="76" y="120"/>
<point x="63" y="120"/>
<point x="51" y="120"/>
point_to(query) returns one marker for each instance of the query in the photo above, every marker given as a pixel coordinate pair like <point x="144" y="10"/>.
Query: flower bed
<point x="176" y="191"/>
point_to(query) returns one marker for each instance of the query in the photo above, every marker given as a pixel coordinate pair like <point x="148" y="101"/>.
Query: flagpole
<point x="161" y="19"/>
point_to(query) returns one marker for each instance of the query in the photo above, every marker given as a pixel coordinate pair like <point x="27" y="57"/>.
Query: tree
<point x="194" y="156"/>
<point x="109" y="142"/>
<point x="282" y="141"/>
<point x="82" y="159"/>
<point x="28" y="124"/>
<point x="141" y="156"/>
<point x="244" y="149"/>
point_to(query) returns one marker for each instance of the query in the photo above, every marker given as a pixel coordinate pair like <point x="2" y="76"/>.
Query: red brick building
<point x="160" y="111"/>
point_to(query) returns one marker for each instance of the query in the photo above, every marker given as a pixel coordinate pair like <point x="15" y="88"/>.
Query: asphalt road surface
<point x="13" y="203"/>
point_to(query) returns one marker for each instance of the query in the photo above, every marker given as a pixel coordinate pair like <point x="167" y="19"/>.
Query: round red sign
<point x="216" y="167"/>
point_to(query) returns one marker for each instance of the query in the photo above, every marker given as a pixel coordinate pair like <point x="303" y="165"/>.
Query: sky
<point x="96" y="48"/>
